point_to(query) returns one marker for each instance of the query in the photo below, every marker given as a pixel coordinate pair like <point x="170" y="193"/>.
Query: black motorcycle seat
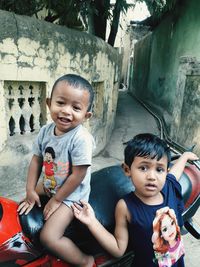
<point x="108" y="185"/>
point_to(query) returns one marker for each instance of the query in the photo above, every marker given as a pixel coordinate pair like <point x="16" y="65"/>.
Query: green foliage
<point x="158" y="7"/>
<point x="78" y="13"/>
<point x="22" y="7"/>
<point x="64" y="12"/>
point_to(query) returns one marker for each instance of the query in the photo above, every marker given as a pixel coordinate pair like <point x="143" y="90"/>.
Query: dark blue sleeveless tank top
<point x="142" y="216"/>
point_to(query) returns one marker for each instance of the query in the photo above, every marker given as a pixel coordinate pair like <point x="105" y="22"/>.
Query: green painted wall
<point x="141" y="67"/>
<point x="157" y="63"/>
<point x="177" y="36"/>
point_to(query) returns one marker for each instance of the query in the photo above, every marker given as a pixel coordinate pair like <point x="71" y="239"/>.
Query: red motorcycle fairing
<point x="193" y="174"/>
<point x="47" y="261"/>
<point x="18" y="248"/>
<point x="14" y="245"/>
<point x="9" y="219"/>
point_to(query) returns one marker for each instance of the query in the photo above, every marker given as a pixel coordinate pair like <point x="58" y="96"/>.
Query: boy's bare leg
<point x="52" y="237"/>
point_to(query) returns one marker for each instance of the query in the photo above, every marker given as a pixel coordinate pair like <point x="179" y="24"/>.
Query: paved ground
<point x="131" y="119"/>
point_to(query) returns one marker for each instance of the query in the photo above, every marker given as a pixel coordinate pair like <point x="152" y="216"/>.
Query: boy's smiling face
<point x="68" y="107"/>
<point x="148" y="176"/>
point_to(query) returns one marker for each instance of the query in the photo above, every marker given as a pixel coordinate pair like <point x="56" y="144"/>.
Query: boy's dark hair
<point x="146" y="145"/>
<point x="79" y="82"/>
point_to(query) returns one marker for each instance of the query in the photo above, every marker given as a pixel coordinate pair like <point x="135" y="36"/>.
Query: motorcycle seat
<point x="108" y="185"/>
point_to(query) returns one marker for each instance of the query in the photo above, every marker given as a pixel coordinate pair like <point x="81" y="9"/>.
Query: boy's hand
<point x="83" y="213"/>
<point x="28" y="203"/>
<point x="190" y="156"/>
<point x="50" y="207"/>
<point x="178" y="167"/>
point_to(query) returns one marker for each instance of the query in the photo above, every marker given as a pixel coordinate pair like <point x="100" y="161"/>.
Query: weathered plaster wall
<point x="141" y="67"/>
<point x="175" y="38"/>
<point x="36" y="51"/>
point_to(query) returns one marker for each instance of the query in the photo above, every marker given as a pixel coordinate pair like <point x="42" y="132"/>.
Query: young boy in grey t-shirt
<point x="63" y="152"/>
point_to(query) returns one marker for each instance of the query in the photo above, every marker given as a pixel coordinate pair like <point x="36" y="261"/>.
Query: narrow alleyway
<point x="131" y="119"/>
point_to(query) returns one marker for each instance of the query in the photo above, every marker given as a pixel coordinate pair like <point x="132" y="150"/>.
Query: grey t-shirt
<point x="60" y="153"/>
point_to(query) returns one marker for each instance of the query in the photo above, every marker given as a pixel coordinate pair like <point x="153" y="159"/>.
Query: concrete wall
<point x="36" y="52"/>
<point x="141" y="64"/>
<point x="164" y="64"/>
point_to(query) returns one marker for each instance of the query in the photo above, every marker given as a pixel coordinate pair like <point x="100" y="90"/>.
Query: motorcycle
<point x="19" y="235"/>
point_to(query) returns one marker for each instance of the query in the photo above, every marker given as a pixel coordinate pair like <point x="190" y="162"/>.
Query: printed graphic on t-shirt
<point x="166" y="238"/>
<point x="54" y="174"/>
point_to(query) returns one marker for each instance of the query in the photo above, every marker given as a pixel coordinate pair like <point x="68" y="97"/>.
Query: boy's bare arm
<point x="34" y="172"/>
<point x="178" y="167"/>
<point x="115" y="244"/>
<point x="72" y="182"/>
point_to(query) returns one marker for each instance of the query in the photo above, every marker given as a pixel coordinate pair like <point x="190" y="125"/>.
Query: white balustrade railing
<point x="24" y="103"/>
